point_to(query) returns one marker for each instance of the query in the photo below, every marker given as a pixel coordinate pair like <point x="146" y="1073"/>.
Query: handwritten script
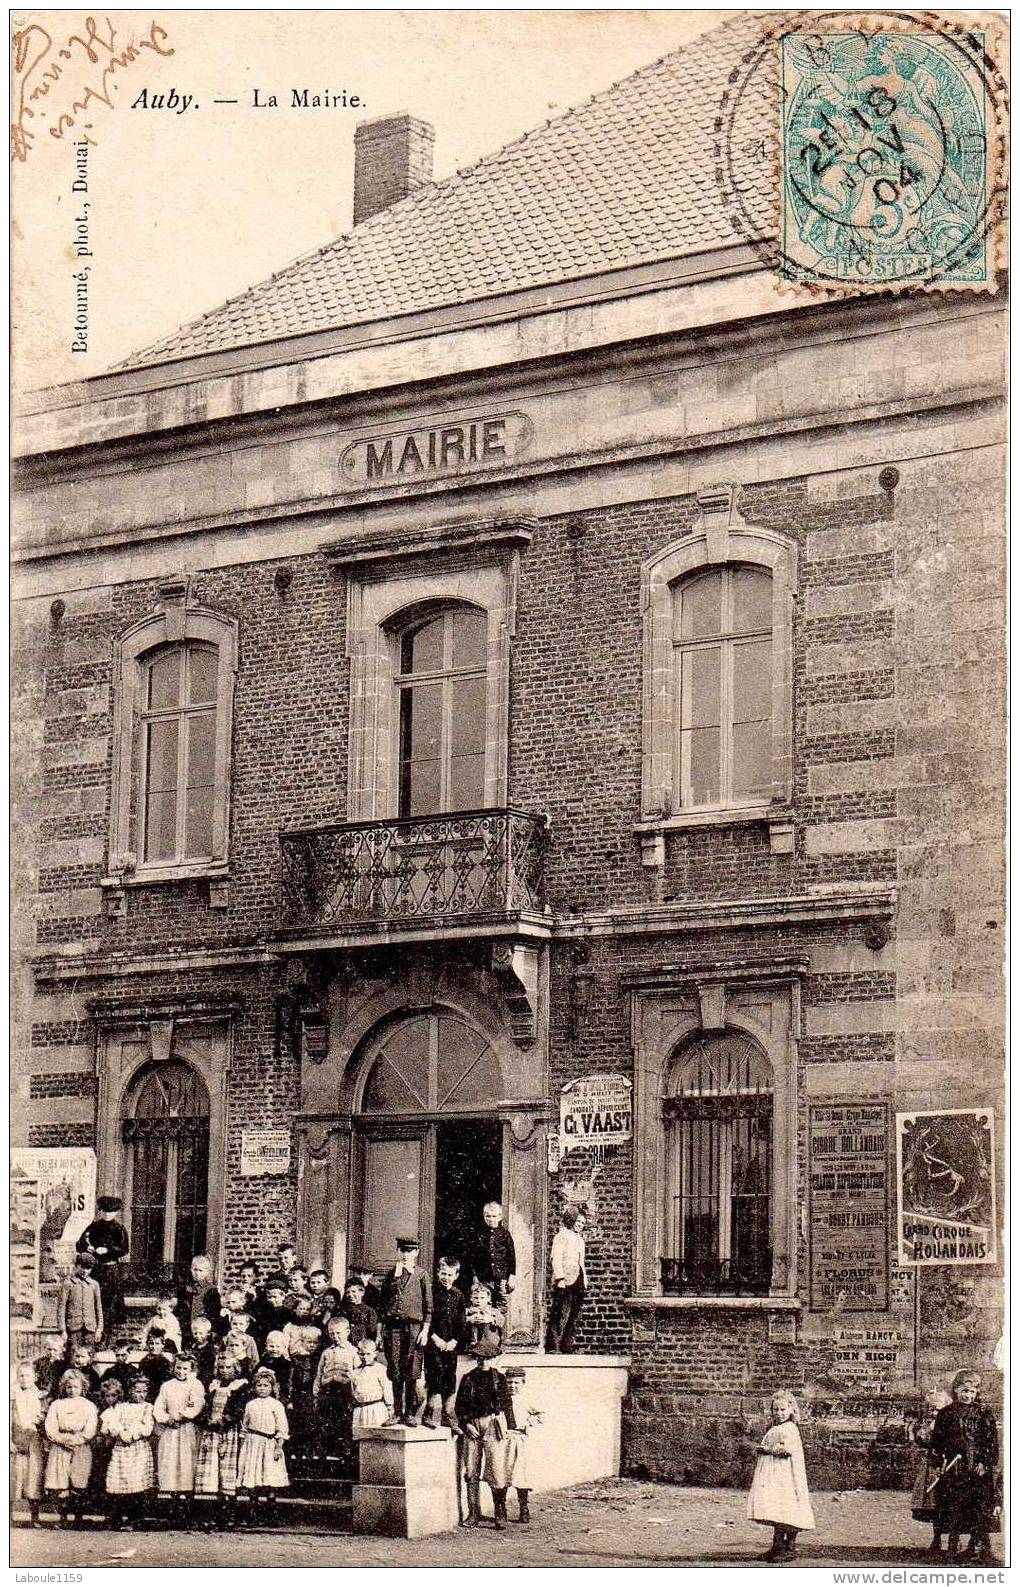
<point x="57" y="85"/>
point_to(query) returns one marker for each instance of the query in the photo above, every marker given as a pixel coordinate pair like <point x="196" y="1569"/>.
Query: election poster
<point x="595" y="1111"/>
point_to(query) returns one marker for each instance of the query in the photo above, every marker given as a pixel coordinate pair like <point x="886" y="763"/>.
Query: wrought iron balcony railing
<point x="457" y="866"/>
<point x="715" y="1276"/>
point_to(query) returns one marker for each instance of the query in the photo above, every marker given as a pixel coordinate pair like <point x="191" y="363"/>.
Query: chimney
<point x="392" y="157"/>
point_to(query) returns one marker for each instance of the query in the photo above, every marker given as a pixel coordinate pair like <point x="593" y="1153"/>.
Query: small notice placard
<point x="264" y="1152"/>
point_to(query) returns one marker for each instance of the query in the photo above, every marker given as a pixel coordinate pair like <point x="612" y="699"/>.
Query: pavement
<point x="615" y="1522"/>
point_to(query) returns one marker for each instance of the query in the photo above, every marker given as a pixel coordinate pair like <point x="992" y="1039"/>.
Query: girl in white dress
<point x="261" y="1467"/>
<point x="131" y="1472"/>
<point x="71" y="1424"/>
<point x="779" y="1492"/>
<point x="371" y="1389"/>
<point x="28" y="1454"/>
<point x="178" y="1403"/>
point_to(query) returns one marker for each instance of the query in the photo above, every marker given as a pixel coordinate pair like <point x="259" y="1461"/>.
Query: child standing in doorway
<point x="495" y="1259"/>
<point x="779" y="1492"/>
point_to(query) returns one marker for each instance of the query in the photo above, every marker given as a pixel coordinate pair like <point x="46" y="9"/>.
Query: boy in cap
<point x="106" y="1240"/>
<point x="485" y="1413"/>
<point x="407" y="1313"/>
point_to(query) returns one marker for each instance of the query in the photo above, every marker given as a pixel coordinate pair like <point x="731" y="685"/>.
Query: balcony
<point x="464" y="873"/>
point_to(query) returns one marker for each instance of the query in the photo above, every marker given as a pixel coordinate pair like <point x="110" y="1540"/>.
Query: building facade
<point x="523" y="644"/>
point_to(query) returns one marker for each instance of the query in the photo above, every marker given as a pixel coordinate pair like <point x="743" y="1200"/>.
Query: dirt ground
<point x="614" y="1523"/>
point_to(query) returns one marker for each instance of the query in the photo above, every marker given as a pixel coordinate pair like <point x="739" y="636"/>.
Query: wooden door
<point x="394" y="1194"/>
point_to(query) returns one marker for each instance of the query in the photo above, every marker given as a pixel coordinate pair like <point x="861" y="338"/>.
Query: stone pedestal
<point x="407" y="1481"/>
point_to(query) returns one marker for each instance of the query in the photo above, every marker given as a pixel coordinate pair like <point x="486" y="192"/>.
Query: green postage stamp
<point x="890" y="141"/>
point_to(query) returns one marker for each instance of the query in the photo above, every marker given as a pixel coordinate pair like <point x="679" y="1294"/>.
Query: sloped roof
<point x="625" y="179"/>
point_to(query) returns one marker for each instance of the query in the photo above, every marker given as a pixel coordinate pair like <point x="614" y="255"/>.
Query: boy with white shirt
<point x="569" y="1282"/>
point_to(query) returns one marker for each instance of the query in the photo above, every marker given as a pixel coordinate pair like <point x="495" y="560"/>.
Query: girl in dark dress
<point x="965" y="1444"/>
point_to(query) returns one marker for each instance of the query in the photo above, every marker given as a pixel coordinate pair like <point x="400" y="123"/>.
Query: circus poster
<point x="945" y="1170"/>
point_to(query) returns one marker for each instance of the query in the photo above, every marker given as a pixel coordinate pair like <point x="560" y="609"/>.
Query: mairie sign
<point x="595" y="1110"/>
<point x="452" y="446"/>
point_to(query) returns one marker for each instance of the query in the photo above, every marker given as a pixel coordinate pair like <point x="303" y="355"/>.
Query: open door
<point x="395" y="1178"/>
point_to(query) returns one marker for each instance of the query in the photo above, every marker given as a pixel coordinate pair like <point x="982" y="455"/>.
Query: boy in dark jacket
<point x="122" y="1371"/>
<point x="363" y="1318"/>
<point x="157" y="1364"/>
<point x="446" y="1336"/>
<point x="495" y="1260"/>
<point x="407" y="1314"/>
<point x="273" y="1314"/>
<point x="485" y="1412"/>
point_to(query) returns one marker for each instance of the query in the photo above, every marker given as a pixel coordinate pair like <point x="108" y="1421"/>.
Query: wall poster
<point x="66" y="1197"/>
<point x="24" y="1253"/>
<point x="945" y="1176"/>
<point x="595" y="1111"/>
<point x="848" y="1177"/>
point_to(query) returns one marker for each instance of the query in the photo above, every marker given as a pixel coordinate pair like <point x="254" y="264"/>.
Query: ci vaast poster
<point x="508" y="784"/>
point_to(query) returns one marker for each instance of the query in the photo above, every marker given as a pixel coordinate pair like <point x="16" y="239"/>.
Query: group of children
<point x="955" y="1486"/>
<point x="221" y="1394"/>
<point x="202" y="1404"/>
<point x="223" y="1383"/>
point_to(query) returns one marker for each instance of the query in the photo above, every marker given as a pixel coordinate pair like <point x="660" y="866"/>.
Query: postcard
<point x="508" y="725"/>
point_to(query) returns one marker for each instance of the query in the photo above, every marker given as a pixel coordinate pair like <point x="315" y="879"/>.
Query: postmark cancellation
<point x="889" y="149"/>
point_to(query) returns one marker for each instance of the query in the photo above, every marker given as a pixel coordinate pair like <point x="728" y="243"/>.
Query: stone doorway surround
<point x="332" y="1075"/>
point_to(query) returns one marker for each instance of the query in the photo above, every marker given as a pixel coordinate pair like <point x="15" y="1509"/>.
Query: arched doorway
<point x="429" y="1144"/>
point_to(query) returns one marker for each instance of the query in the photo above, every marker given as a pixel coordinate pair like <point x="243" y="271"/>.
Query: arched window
<point x="717" y="1117"/>
<point x="166" y="1131"/>
<point x="717" y="715"/>
<point x="441" y="683"/>
<point x="170" y="805"/>
<point x="431" y="1063"/>
<point x="178" y="753"/>
<point x="722" y="627"/>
